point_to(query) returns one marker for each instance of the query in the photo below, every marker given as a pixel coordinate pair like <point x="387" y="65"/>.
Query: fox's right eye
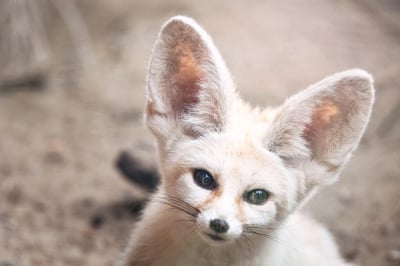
<point x="204" y="179"/>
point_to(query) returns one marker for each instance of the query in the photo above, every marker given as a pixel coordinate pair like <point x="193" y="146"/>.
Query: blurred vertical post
<point x="78" y="33"/>
<point x="24" y="48"/>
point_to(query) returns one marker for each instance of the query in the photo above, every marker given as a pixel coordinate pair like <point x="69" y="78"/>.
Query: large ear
<point x="189" y="87"/>
<point x="317" y="129"/>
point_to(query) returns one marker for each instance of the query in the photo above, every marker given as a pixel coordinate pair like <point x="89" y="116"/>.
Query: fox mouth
<point x="215" y="237"/>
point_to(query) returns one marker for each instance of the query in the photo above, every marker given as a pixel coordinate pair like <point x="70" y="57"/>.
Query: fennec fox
<point x="232" y="177"/>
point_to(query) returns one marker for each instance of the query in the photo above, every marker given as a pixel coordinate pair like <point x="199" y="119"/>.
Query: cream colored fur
<point x="290" y="151"/>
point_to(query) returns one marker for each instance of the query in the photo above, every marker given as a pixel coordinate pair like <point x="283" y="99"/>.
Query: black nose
<point x="219" y="225"/>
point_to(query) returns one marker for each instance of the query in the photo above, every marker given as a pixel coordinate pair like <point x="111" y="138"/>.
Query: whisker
<point x="268" y="236"/>
<point x="176" y="203"/>
<point x="174" y="206"/>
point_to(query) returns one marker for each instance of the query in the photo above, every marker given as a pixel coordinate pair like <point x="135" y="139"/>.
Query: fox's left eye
<point x="203" y="179"/>
<point x="256" y="196"/>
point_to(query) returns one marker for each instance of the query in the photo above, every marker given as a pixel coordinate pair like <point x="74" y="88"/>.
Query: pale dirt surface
<point x="63" y="203"/>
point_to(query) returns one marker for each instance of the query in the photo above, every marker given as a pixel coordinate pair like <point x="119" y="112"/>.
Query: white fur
<point x="200" y="123"/>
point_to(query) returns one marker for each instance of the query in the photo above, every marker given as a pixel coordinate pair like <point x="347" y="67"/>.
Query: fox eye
<point x="256" y="196"/>
<point x="203" y="179"/>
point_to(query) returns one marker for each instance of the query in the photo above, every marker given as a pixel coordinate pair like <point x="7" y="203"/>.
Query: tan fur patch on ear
<point x="188" y="66"/>
<point x="187" y="77"/>
<point x="186" y="55"/>
<point x="326" y="111"/>
<point x="322" y="119"/>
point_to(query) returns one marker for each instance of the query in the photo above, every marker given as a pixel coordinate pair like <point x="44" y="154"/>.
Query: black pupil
<point x="204" y="179"/>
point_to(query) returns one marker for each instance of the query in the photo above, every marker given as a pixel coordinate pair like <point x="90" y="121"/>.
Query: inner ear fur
<point x="325" y="122"/>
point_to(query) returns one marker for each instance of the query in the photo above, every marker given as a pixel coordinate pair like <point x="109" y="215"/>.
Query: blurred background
<point x="72" y="79"/>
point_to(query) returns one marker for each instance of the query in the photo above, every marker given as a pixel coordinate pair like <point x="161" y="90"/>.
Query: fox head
<point x="234" y="169"/>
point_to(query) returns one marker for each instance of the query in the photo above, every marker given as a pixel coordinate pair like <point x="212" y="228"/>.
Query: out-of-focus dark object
<point x="135" y="171"/>
<point x="24" y="48"/>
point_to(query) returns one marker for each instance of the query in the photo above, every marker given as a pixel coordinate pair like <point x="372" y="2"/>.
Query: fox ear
<point x="189" y="87"/>
<point x="321" y="126"/>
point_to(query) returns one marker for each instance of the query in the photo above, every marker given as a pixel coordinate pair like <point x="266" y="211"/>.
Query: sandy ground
<point x="63" y="203"/>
